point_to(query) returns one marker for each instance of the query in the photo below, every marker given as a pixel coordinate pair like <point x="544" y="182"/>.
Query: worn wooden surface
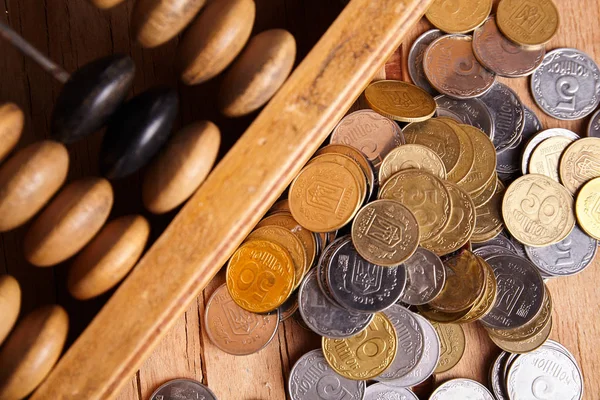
<point x="74" y="32"/>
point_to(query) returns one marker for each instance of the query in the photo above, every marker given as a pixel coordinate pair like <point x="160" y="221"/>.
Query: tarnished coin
<point x="400" y="101"/>
<point x="466" y="157"/>
<point x="289" y="308"/>
<point x="580" y="163"/>
<point x="452" y="69"/>
<point x="385" y="232"/>
<point x="467" y="111"/>
<point x="520" y="292"/>
<point x="458" y="16"/>
<point x="508" y="115"/>
<point x="411" y="156"/>
<point x="488" y="221"/>
<point x="371" y="133"/>
<point x="544" y="158"/>
<point x="365" y="355"/>
<point x="587" y="208"/>
<point x="235" y="330"/>
<point x="538" y="138"/>
<point x="452" y="345"/>
<point x="325" y="318"/>
<point x="461" y="388"/>
<point x="509" y="161"/>
<point x="500" y="55"/>
<point x="439" y="137"/>
<point x="593" y="129"/>
<point x="424" y="195"/>
<point x="538" y="211"/>
<point x="484" y="164"/>
<point x="361" y="286"/>
<point x="411" y="341"/>
<point x="415" y="59"/>
<point x="501" y="240"/>
<point x="183" y="389"/>
<point x="260" y="276"/>
<point x="380" y="391"/>
<point x="312" y="378"/>
<point x="484" y="196"/>
<point x="426" y="276"/>
<point x="566" y="84"/>
<point x="530" y="24"/>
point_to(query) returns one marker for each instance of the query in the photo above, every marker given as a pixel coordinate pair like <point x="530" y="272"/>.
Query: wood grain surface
<point x="74" y="32"/>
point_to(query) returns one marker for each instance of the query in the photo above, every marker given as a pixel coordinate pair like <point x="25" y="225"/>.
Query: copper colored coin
<point x="400" y="101"/>
<point x="356" y="155"/>
<point x="452" y="69"/>
<point x="438" y="136"/>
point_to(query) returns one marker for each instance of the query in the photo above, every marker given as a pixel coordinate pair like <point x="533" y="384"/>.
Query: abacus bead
<point x="258" y="73"/>
<point x="108" y="257"/>
<point x="137" y="132"/>
<point x="214" y="39"/>
<point x="10" y="304"/>
<point x="31" y="351"/>
<point x="155" y="22"/>
<point x="69" y="222"/>
<point x="180" y="169"/>
<point x="11" y="127"/>
<point x="91" y="96"/>
<point x="29" y="179"/>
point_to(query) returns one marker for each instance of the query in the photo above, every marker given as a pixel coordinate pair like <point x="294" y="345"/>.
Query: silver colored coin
<point x="508" y="115"/>
<point x="593" y="129"/>
<point x="325" y="318"/>
<point x="468" y="111"/>
<point x="359" y="285"/>
<point x="183" y="389"/>
<point x="506" y="367"/>
<point x="500" y="240"/>
<point x="567" y="84"/>
<point x="545" y="373"/>
<point x="411" y="341"/>
<point x="561" y="348"/>
<point x="461" y="388"/>
<point x="540" y="137"/>
<point x="311" y="378"/>
<point x="567" y="257"/>
<point x="429" y="360"/>
<point x="381" y="391"/>
<point x="496" y="377"/>
<point x="324" y="264"/>
<point x="425" y="277"/>
<point x="508" y="162"/>
<point x="490" y="251"/>
<point x="520" y="292"/>
<point x="415" y="59"/>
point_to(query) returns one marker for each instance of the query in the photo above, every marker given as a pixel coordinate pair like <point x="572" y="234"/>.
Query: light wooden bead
<point x="10" y="304"/>
<point x="11" y="127"/>
<point x="69" y="222"/>
<point x="29" y="179"/>
<point x="258" y="73"/>
<point x="214" y="39"/>
<point x="31" y="351"/>
<point x="108" y="257"/>
<point x="182" y="166"/>
<point x="105" y="4"/>
<point x="154" y="22"/>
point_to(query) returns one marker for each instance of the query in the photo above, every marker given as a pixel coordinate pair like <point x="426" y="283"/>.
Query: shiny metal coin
<point x="490" y="251"/>
<point x="593" y="129"/>
<point x="183" y="389"/>
<point x="415" y="59"/>
<point x="325" y="318"/>
<point x="468" y="111"/>
<point x="566" y="84"/>
<point x="508" y="115"/>
<point x="323" y="265"/>
<point x="558" y="346"/>
<point x="501" y="240"/>
<point x="381" y="391"/>
<point x="509" y="161"/>
<point x="289" y="308"/>
<point x="425" y="277"/>
<point x="463" y="389"/>
<point x="540" y="137"/>
<point x="496" y="378"/>
<point x="311" y="378"/>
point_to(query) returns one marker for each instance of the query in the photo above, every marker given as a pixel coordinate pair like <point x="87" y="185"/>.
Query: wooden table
<point x="73" y="32"/>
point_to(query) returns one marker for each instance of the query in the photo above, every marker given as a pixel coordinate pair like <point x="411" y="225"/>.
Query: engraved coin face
<point x="461" y="389"/>
<point x="426" y="276"/>
<point x="488" y="251"/>
<point x="484" y="163"/>
<point x="588" y="208"/>
<point x="508" y="115"/>
<point x="437" y="136"/>
<point x="509" y="161"/>
<point x="528" y="23"/>
<point x="567" y="84"/>
<point x="580" y="163"/>
<point x="365" y="355"/>
<point x="371" y="133"/>
<point x="235" y="330"/>
<point x="458" y="16"/>
<point x="358" y="157"/>
<point x="452" y="69"/>
<point x="532" y="143"/>
<point x="400" y="101"/>
<point x="325" y="318"/>
<point x="312" y="378"/>
<point x="593" y="129"/>
<point x="472" y="112"/>
<point x="544" y="158"/>
<point x="380" y="391"/>
<point x="183" y="389"/>
<point x="415" y="59"/>
<point x="452" y="345"/>
<point x="488" y="222"/>
<point x="411" y="156"/>
<point x="466" y="157"/>
<point x="347" y="162"/>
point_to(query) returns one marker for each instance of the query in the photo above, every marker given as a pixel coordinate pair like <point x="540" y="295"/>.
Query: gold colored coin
<point x="458" y="16"/>
<point x="529" y="23"/>
<point x="452" y="345"/>
<point x="465" y="282"/>
<point x="538" y="211"/>
<point x="385" y="232"/>
<point x="281" y="205"/>
<point x="466" y="157"/>
<point x="442" y="317"/>
<point x="588" y="208"/>
<point x="365" y="355"/>
<point x="411" y="156"/>
<point x="424" y="195"/>
<point x="486" y="302"/>
<point x="289" y="242"/>
<point x="484" y="164"/>
<point x="485" y="195"/>
<point x="526" y="345"/>
<point x="544" y="158"/>
<point x="350" y="164"/>
<point x="438" y="136"/>
<point x="461" y="225"/>
<point x="580" y="163"/>
<point x="324" y="196"/>
<point x="357" y="156"/>
<point x="401" y="101"/>
<point x="488" y="223"/>
<point x="260" y="276"/>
